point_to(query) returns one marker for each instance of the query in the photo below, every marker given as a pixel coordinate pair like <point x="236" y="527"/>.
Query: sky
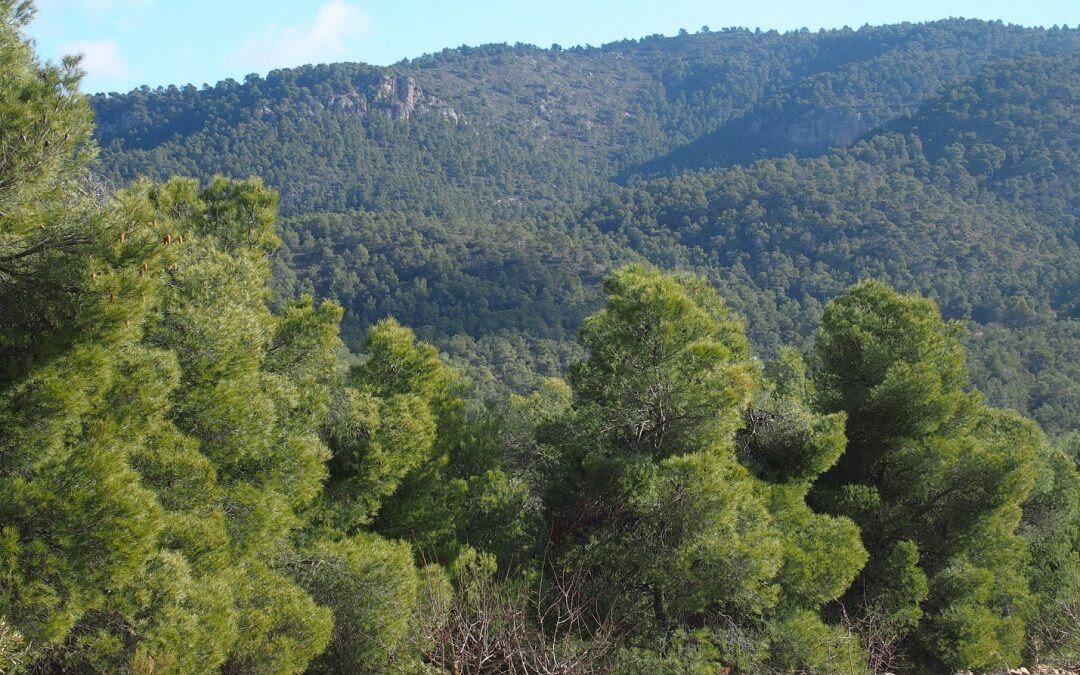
<point x="128" y="43"/>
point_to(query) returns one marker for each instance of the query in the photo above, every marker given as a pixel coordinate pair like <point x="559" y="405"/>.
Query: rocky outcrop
<point x="398" y="97"/>
<point x="348" y="104"/>
<point x="813" y="129"/>
<point x="829" y="128"/>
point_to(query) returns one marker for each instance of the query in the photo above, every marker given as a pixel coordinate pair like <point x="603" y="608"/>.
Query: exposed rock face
<point x="398" y="97"/>
<point x="347" y="103"/>
<point x="816" y="129"/>
<point x="836" y="127"/>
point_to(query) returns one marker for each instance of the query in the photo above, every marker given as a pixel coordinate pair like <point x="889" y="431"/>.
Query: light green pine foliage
<point x="228" y="398"/>
<point x="682" y="487"/>
<point x="933" y="478"/>
<point x="75" y="522"/>
<point x="374" y="590"/>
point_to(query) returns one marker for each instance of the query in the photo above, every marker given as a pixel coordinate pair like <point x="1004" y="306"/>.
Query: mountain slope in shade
<point x="971" y="200"/>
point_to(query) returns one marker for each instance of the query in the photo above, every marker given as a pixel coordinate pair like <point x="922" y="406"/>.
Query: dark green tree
<point x="1051" y="527"/>
<point x="931" y="478"/>
<point x="680" y="538"/>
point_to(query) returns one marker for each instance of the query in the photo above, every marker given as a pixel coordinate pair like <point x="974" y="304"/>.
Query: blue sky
<point x="132" y="42"/>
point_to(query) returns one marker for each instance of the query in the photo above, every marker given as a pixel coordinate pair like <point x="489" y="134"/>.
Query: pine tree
<point x="229" y="398"/>
<point x="75" y="520"/>
<point x="1051" y="528"/>
<point x="682" y="482"/>
<point x="788" y="445"/>
<point x="931" y="477"/>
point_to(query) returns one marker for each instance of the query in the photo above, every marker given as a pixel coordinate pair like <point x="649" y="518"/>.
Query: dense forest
<point x="616" y="393"/>
<point x="480" y="195"/>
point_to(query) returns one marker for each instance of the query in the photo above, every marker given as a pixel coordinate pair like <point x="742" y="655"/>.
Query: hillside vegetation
<point x="479" y="194"/>
<point x="197" y="475"/>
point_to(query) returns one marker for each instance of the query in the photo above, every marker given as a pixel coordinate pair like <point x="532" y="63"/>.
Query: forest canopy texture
<point x="480" y="195"/>
<point x="220" y="453"/>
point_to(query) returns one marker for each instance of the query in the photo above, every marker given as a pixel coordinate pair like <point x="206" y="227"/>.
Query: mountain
<point x="504" y="129"/>
<point x="479" y="194"/>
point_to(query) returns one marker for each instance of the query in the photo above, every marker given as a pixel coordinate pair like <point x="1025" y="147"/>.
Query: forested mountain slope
<point x="970" y="200"/>
<point x="502" y="126"/>
<point x="480" y="194"/>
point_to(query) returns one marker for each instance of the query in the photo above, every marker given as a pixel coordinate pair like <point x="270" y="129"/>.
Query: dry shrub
<point x="516" y="626"/>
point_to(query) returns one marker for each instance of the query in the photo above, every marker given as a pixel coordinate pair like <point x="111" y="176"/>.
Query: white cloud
<point x="101" y="59"/>
<point x="326" y="38"/>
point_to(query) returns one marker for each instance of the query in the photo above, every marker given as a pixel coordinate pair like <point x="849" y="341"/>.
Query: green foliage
<point x="445" y="277"/>
<point x="480" y="195"/>
<point x="374" y="591"/>
<point x="216" y="399"/>
<point x="645" y="463"/>
<point x="924" y="457"/>
<point x="1051" y="527"/>
<point x="667" y="370"/>
<point x="657" y="494"/>
<point x="501" y="129"/>
<point x="159" y="427"/>
<point x="195" y="476"/>
<point x="280" y="629"/>
<point x="422" y="507"/>
<point x="376" y="442"/>
<point x="75" y="522"/>
<point x="45" y="130"/>
<point x="411" y="461"/>
<point x="883" y="208"/>
<point x="891" y="364"/>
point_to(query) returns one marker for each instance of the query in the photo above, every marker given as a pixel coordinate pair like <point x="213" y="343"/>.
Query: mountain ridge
<point x="498" y="184"/>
